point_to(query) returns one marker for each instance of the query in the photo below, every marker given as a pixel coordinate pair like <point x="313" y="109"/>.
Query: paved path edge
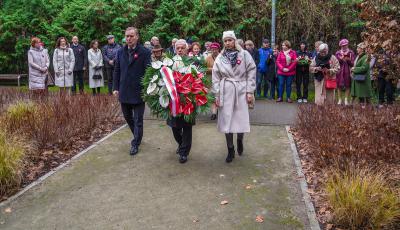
<point x="60" y="167"/>
<point x="312" y="217"/>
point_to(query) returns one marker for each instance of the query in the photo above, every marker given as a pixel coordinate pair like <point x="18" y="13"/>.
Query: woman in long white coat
<point x="95" y="58"/>
<point x="63" y="62"/>
<point x="234" y="82"/>
<point x="39" y="63"/>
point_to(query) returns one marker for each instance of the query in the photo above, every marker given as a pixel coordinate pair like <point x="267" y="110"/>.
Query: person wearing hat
<point x="157" y="53"/>
<point x="214" y="49"/>
<point x="264" y="53"/>
<point x="109" y="54"/>
<point x="361" y="88"/>
<point x="346" y="60"/>
<point x="234" y="83"/>
<point x="131" y="62"/>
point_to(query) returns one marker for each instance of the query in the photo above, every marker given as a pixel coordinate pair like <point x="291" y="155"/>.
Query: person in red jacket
<point x="286" y="65"/>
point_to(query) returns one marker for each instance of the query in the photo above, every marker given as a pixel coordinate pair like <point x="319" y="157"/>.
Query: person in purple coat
<point x="346" y="59"/>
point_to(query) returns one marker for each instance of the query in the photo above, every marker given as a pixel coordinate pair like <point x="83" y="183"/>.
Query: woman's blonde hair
<point x="287" y="44"/>
<point x="250" y="43"/>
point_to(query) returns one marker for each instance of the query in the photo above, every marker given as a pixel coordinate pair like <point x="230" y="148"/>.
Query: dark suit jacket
<point x="128" y="74"/>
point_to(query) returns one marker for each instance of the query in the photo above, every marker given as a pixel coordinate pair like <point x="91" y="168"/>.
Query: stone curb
<point x="312" y="217"/>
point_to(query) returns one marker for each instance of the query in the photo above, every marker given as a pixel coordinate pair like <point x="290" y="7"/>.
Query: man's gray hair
<point x="133" y="29"/>
<point x="323" y="46"/>
<point x="181" y="42"/>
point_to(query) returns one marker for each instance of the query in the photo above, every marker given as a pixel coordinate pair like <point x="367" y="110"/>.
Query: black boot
<point x="240" y="147"/>
<point x="231" y="155"/>
<point x="213" y="117"/>
<point x="182" y="159"/>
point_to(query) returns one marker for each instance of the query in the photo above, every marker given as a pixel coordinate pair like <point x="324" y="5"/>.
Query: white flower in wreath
<point x="156" y="64"/>
<point x="178" y="66"/>
<point x="152" y="89"/>
<point x="193" y="67"/>
<point x="168" y="62"/>
<point x="155" y="77"/>
<point x="164" y="101"/>
<point x="161" y="82"/>
<point x="163" y="91"/>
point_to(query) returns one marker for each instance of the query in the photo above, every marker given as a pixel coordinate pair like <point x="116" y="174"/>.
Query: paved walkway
<point x="108" y="189"/>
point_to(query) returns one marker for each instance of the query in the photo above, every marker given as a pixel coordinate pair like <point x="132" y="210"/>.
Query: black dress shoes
<point x="182" y="159"/>
<point x="213" y="117"/>
<point x="240" y="147"/>
<point x="134" y="150"/>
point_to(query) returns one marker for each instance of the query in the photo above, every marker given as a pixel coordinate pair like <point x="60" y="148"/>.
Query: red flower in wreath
<point x="201" y="100"/>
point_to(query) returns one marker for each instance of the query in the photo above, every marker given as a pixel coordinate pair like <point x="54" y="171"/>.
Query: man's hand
<point x="84" y="68"/>
<point x="111" y="62"/>
<point x="217" y="102"/>
<point x="115" y="92"/>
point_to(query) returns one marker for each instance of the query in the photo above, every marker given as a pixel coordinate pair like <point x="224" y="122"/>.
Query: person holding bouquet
<point x="303" y="72"/>
<point x="234" y="83"/>
<point x="346" y="59"/>
<point x="181" y="129"/>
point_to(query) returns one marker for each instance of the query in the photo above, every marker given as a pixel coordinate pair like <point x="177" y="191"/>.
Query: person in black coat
<point x="130" y="65"/>
<point x="302" y="72"/>
<point x="109" y="54"/>
<point x="80" y="63"/>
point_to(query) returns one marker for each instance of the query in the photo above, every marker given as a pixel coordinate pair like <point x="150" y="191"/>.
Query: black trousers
<point x="385" y="87"/>
<point x="133" y="114"/>
<point x="78" y="77"/>
<point x="109" y="76"/>
<point x="302" y="79"/>
<point x="183" y="136"/>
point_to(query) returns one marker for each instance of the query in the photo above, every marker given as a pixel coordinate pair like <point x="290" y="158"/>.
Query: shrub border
<point x="312" y="217"/>
<point x="63" y="165"/>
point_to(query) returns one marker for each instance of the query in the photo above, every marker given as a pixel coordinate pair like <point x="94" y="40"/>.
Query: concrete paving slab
<point x="108" y="189"/>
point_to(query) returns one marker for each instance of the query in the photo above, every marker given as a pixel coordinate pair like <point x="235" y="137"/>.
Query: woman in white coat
<point x="63" y="62"/>
<point x="95" y="58"/>
<point x="234" y="82"/>
<point x="39" y="63"/>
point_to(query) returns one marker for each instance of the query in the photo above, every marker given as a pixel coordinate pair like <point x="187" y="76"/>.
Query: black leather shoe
<point x="177" y="150"/>
<point x="134" y="150"/>
<point x="240" y="147"/>
<point x="213" y="117"/>
<point x="231" y="155"/>
<point x="182" y="159"/>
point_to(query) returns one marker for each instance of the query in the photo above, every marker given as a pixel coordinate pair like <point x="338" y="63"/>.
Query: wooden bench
<point x="17" y="77"/>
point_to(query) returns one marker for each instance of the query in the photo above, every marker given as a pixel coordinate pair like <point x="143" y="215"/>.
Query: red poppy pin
<point x="238" y="62"/>
<point x="136" y="56"/>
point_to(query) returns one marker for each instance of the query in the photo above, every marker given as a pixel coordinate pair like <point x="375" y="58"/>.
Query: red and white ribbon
<point x="168" y="78"/>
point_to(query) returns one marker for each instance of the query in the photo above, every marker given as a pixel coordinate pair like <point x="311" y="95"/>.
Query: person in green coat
<point x="361" y="89"/>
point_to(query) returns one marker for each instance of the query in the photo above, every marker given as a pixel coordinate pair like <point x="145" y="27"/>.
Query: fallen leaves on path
<point x="259" y="219"/>
<point x="8" y="210"/>
<point x="224" y="202"/>
<point x="196" y="220"/>
<point x="249" y="186"/>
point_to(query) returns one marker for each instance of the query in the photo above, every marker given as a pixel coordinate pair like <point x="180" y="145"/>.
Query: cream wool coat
<point x="230" y="85"/>
<point x="63" y="63"/>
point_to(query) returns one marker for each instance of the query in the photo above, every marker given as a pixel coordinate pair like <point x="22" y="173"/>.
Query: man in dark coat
<point x="109" y="54"/>
<point x="130" y="65"/>
<point x="80" y="63"/>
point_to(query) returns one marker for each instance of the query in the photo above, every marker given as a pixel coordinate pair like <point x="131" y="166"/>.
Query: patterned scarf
<point x="231" y="55"/>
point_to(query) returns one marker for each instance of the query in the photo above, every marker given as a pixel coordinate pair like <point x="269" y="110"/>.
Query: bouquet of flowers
<point x="177" y="87"/>
<point x="303" y="60"/>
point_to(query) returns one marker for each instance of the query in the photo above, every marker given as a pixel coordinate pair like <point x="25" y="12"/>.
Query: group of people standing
<point x="233" y="84"/>
<point x="69" y="63"/>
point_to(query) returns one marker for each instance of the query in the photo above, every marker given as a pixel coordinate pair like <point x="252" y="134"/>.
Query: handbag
<point x="97" y="76"/>
<point x="330" y="83"/>
<point x="359" y="77"/>
<point x="49" y="79"/>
